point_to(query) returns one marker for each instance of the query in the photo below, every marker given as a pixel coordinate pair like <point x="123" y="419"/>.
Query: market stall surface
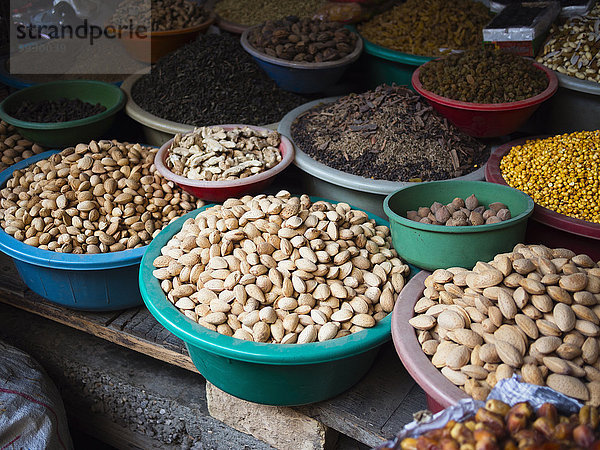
<point x="373" y="410"/>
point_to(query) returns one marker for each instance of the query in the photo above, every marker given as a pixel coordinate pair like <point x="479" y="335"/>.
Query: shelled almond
<point x="534" y="311"/>
<point x="282" y="269"/>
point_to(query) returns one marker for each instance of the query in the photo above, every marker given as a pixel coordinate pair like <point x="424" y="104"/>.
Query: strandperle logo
<point x="84" y="30"/>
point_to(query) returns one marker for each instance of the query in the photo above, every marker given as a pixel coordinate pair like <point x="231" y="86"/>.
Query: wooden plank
<point x="364" y="410"/>
<point x="95" y="324"/>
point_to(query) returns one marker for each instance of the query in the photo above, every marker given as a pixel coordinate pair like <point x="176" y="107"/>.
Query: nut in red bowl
<point x="487" y="119"/>
<point x="218" y="191"/>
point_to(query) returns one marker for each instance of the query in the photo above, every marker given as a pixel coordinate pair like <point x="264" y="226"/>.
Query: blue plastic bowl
<point x="302" y="78"/>
<point x="273" y="374"/>
<point x="101" y="282"/>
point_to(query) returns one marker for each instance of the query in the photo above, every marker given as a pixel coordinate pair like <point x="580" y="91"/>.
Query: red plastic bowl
<point x="546" y="226"/>
<point x="487" y="119"/>
<point x="218" y="191"/>
<point x="441" y="393"/>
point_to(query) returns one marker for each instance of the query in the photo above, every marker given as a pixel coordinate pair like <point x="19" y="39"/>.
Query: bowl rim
<point x="54" y="260"/>
<point x="390" y="54"/>
<point x="348" y="59"/>
<point x="337" y="177"/>
<point x="50" y="126"/>
<point x="228" y="25"/>
<point x="286" y="149"/>
<point x="554" y="219"/>
<point x="489" y="107"/>
<point x="575" y="84"/>
<point x="254" y="352"/>
<point x="401" y="220"/>
<point x="167" y="33"/>
<point x="418" y="365"/>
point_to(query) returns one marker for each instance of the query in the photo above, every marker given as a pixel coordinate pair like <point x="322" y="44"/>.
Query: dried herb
<point x="387" y="134"/>
<point x="212" y="81"/>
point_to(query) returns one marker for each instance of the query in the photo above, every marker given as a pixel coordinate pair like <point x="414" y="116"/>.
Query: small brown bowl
<point x="152" y="46"/>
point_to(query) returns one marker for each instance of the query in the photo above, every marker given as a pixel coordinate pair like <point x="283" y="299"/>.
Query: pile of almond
<point x="534" y="311"/>
<point x="282" y="269"/>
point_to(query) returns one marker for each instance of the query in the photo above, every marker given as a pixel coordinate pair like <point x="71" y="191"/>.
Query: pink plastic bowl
<point x="218" y="191"/>
<point x="487" y="119"/>
<point x="441" y="393"/>
<point x="547" y="226"/>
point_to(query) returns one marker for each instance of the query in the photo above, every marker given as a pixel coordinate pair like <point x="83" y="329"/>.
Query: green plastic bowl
<point x="63" y="134"/>
<point x="389" y="66"/>
<point x="273" y="374"/>
<point x="438" y="246"/>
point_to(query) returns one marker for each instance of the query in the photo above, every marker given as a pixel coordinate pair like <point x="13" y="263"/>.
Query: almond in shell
<point x="532" y="374"/>
<point x="547" y="344"/>
<point x="458" y="357"/>
<point x="527" y="325"/>
<point x="510" y="334"/>
<point x="568" y="385"/>
<point x="574" y="282"/>
<point x="509" y="354"/>
<point x="590" y="350"/>
<point x="507" y="304"/>
<point x="474" y="371"/>
<point x="456" y="377"/>
<point x="564" y="317"/>
<point x="556" y="365"/>
<point x="422" y="322"/>
<point x="585" y="313"/>
<point x="488" y="354"/>
<point x="467" y="337"/>
<point x="451" y="320"/>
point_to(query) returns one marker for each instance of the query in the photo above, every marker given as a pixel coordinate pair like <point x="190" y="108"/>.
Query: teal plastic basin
<point x="384" y="65"/>
<point x="273" y="374"/>
<point x="438" y="246"/>
<point x="72" y="132"/>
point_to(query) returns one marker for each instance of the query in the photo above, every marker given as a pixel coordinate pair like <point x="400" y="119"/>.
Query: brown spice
<point x="387" y="134"/>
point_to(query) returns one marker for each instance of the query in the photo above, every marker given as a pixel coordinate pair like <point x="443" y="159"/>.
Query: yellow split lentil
<point x="561" y="173"/>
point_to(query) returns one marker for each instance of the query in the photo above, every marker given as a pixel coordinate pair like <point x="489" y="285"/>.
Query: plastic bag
<point x="510" y="391"/>
<point x="32" y="415"/>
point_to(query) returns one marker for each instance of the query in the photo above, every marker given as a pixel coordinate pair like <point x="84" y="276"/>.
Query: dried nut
<point x="564" y="317"/>
<point x="63" y="204"/>
<point x="532" y="374"/>
<point x="568" y="385"/>
<point x="254" y="264"/>
<point x="458" y="357"/>
<point x="547" y="344"/>
<point x="423" y="322"/>
<point x="483" y="280"/>
<point x="456" y="377"/>
<point x="450" y="320"/>
<point x="574" y="282"/>
<point x="509" y="354"/>
<point x="556" y="365"/>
